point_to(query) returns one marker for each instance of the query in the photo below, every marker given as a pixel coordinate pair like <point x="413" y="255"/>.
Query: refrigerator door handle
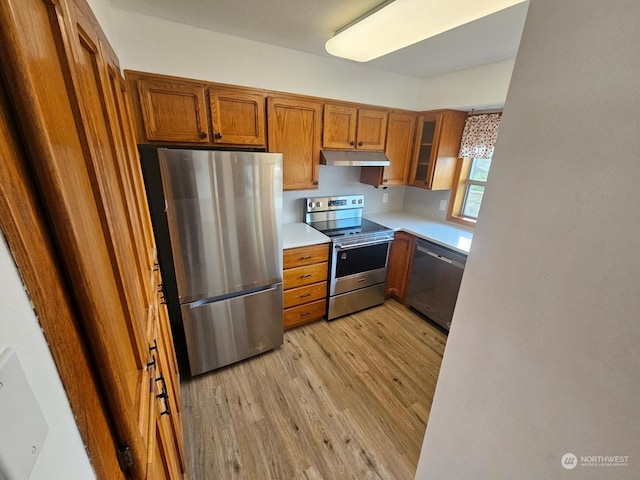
<point x="244" y="293"/>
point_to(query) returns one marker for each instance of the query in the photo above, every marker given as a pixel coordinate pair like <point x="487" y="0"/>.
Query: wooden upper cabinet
<point x="237" y="116"/>
<point x="372" y="129"/>
<point x="339" y="127"/>
<point x="351" y="128"/>
<point x="399" y="149"/>
<point x="173" y="111"/>
<point x="436" y="149"/>
<point x="295" y="130"/>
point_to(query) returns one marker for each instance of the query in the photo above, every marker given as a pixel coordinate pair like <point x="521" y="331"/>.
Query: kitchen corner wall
<point x="542" y="362"/>
<point x="343" y="181"/>
<point x="426" y="202"/>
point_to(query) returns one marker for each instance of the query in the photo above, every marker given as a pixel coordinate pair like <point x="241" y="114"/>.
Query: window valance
<point x="479" y="136"/>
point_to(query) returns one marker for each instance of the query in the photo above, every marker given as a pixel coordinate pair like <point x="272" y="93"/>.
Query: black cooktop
<point x="348" y="226"/>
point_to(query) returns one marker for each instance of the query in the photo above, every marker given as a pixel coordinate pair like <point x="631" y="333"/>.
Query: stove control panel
<point x="321" y="204"/>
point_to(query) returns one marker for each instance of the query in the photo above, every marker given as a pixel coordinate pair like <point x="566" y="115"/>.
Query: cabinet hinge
<point x="125" y="458"/>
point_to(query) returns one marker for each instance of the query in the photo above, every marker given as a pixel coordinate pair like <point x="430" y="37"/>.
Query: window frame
<point x="458" y="190"/>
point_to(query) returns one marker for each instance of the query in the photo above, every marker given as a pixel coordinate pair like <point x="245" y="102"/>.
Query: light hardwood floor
<point x="347" y="399"/>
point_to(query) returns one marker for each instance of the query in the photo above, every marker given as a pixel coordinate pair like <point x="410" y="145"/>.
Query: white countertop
<point x="448" y="235"/>
<point x="301" y="235"/>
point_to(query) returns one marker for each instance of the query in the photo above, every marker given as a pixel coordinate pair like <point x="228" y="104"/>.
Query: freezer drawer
<point x="223" y="332"/>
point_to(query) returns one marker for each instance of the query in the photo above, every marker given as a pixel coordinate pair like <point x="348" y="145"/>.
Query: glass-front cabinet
<point x="437" y="147"/>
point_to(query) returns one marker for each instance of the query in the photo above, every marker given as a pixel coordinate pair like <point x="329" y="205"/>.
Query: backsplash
<point x="343" y="181"/>
<point x="426" y="202"/>
<point x="346" y="181"/>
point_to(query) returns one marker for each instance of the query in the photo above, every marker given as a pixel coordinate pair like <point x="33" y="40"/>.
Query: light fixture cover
<point x="401" y="23"/>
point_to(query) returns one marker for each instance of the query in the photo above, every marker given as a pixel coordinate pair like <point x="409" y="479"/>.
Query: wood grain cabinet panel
<point x="305" y="294"/>
<point x="399" y="268"/>
<point x="295" y="128"/>
<point x="308" y="274"/>
<point x="297" y="257"/>
<point x="173" y="111"/>
<point x="305" y="284"/>
<point x="237" y="116"/>
<point x="304" y="313"/>
<point x="351" y="128"/>
<point x="372" y="129"/>
<point x="436" y="149"/>
<point x="399" y="148"/>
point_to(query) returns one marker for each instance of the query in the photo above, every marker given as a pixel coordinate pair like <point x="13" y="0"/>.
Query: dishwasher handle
<point x="439" y="256"/>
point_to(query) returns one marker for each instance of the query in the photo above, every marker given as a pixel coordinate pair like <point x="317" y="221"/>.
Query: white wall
<point x="104" y="14"/>
<point x="483" y="87"/>
<point x="62" y="454"/>
<point x="543" y="358"/>
<point x="161" y="46"/>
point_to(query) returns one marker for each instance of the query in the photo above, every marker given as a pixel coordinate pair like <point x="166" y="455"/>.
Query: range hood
<point x="340" y="158"/>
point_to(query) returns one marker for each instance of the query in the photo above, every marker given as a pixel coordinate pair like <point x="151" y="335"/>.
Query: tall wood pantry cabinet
<point x="74" y="212"/>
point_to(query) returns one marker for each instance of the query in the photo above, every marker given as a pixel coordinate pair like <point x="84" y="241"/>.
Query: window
<point x="474" y="190"/>
<point x="472" y="170"/>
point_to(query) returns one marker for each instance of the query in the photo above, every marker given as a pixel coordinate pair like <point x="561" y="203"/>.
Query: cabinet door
<point x="400" y="258"/>
<point x="237" y="117"/>
<point x="399" y="149"/>
<point x="339" y="128"/>
<point x="372" y="129"/>
<point x="173" y="111"/>
<point x="294" y="130"/>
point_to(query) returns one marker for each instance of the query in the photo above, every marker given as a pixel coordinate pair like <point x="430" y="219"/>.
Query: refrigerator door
<point x="224" y="211"/>
<point x="223" y="332"/>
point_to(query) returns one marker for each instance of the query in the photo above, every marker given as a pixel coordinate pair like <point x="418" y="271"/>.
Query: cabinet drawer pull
<point x="352" y="143"/>
<point x="360" y="144"/>
<point x="305" y="314"/>
<point x="305" y="295"/>
<point x="308" y="275"/>
<point x="217" y="135"/>
<point x="203" y="135"/>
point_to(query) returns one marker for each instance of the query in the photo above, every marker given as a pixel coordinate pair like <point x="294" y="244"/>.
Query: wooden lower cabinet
<point x="399" y="268"/>
<point x="305" y="284"/>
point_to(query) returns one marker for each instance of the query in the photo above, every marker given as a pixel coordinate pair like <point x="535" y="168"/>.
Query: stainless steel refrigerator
<point x="224" y="215"/>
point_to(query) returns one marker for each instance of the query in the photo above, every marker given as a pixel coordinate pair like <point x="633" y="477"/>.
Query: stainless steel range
<point x="359" y="253"/>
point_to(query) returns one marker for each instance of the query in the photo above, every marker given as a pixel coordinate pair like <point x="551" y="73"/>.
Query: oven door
<point x="358" y="265"/>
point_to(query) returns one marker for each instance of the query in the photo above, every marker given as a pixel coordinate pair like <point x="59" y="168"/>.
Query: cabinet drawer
<point x="304" y="313"/>
<point x="306" y="294"/>
<point x="297" y="277"/>
<point x="296" y="257"/>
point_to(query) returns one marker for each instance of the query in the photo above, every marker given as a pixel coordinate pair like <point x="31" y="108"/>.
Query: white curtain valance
<point x="479" y="136"/>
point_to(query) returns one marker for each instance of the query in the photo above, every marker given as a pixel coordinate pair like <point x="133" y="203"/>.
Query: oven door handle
<point x="362" y="244"/>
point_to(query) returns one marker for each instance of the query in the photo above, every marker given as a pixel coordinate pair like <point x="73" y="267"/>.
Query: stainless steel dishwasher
<point x="435" y="279"/>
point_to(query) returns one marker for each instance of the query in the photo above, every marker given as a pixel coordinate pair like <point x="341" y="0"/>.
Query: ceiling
<point x="306" y="25"/>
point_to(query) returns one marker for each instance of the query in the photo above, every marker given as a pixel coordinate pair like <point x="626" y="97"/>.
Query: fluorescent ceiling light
<point x="397" y="24"/>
